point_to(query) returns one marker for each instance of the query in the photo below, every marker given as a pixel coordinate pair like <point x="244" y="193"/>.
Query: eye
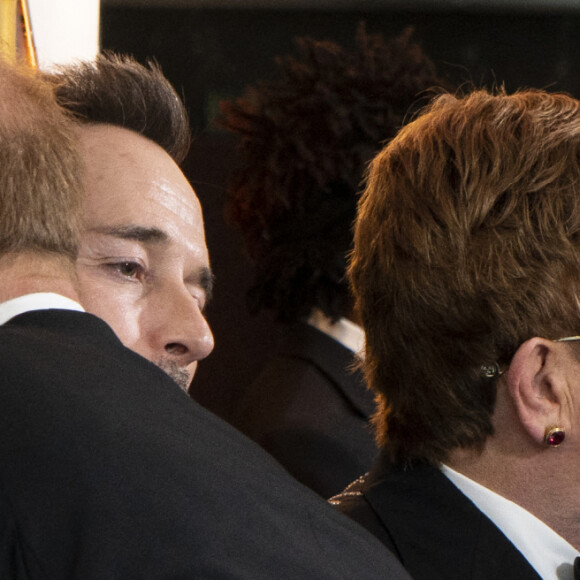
<point x="127" y="269"/>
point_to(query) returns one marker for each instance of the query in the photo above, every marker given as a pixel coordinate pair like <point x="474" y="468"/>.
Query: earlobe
<point x="536" y="385"/>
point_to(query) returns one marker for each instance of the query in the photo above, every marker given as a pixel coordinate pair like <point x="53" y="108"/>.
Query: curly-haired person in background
<point x="305" y="139"/>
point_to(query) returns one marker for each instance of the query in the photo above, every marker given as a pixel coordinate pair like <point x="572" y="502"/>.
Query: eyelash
<point x="139" y="275"/>
<point x="118" y="267"/>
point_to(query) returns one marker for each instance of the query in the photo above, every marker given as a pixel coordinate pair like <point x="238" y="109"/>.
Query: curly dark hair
<point x="305" y="141"/>
<point x="117" y="90"/>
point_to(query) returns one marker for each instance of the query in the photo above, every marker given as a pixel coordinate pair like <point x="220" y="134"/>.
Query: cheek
<point x="118" y="307"/>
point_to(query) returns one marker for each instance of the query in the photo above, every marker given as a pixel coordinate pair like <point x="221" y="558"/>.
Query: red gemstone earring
<point x="554" y="436"/>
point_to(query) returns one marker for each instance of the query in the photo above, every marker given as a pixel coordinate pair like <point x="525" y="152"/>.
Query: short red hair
<point x="466" y="245"/>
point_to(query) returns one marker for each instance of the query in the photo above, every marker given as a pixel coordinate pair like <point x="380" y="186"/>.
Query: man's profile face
<point x="143" y="264"/>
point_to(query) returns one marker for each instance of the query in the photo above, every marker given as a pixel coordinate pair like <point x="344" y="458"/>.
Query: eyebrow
<point x="205" y="280"/>
<point x="204" y="277"/>
<point x="133" y="233"/>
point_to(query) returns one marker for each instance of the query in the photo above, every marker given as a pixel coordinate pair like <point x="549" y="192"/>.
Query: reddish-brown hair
<point x="466" y="244"/>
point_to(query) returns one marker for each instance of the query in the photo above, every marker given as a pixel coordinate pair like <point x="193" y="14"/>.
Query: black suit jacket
<point x="109" y="471"/>
<point x="433" y="528"/>
<point x="310" y="410"/>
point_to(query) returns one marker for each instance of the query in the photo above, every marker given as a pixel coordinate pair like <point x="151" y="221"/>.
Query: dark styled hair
<point x="467" y="244"/>
<point x="40" y="168"/>
<point x="117" y="90"/>
<point x="304" y="141"/>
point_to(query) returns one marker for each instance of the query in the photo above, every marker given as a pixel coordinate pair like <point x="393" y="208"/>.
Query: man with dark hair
<point x="305" y="140"/>
<point x="108" y="470"/>
<point x="466" y="269"/>
<point x="143" y="264"/>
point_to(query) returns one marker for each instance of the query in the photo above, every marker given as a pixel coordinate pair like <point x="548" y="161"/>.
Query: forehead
<point x="131" y="181"/>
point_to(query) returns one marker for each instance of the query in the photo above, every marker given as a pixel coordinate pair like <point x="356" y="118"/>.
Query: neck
<point x="28" y="272"/>
<point x="544" y="481"/>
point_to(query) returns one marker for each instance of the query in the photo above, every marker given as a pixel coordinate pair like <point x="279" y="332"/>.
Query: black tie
<point x="577" y="568"/>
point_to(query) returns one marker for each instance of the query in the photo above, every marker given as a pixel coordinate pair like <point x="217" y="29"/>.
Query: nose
<point x="180" y="332"/>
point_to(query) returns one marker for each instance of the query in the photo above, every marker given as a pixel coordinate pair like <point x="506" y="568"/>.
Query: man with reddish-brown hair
<point x="466" y="270"/>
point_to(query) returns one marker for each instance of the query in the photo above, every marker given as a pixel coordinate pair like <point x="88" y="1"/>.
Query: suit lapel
<point x="334" y="360"/>
<point x="437" y="531"/>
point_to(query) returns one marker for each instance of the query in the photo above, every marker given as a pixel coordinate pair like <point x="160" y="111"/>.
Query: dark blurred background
<point x="211" y="50"/>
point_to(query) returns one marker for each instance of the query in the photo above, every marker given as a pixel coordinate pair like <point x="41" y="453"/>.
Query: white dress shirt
<point x="36" y="301"/>
<point x="550" y="555"/>
<point x="345" y="331"/>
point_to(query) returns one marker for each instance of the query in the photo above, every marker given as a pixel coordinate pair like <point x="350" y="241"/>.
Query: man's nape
<point x="41" y="192"/>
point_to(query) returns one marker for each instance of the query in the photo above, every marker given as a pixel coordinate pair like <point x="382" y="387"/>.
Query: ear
<point x="538" y="385"/>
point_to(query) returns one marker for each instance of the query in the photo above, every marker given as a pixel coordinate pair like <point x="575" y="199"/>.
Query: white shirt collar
<point x="345" y="331"/>
<point x="36" y="301"/>
<point x="547" y="552"/>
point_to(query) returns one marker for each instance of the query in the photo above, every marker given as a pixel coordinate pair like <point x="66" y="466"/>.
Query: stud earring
<point x="491" y="371"/>
<point x="554" y="436"/>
